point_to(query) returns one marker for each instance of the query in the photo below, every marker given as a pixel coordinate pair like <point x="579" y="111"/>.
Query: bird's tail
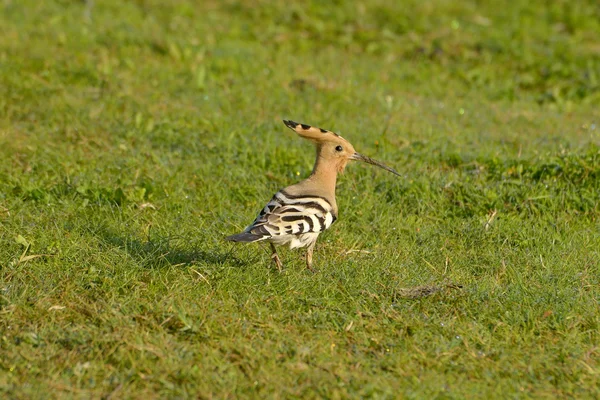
<point x="244" y="237"/>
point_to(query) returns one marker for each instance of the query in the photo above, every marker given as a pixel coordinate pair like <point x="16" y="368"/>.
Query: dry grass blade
<point x="422" y="291"/>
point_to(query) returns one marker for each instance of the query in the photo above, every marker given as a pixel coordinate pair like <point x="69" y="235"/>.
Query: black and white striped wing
<point x="293" y="215"/>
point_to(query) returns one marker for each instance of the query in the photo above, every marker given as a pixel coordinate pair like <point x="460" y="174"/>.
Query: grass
<point x="135" y="135"/>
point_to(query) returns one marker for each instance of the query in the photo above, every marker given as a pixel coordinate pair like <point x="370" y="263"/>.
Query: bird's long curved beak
<point x="368" y="160"/>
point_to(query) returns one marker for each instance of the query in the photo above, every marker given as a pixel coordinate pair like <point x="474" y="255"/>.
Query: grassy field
<point x="136" y="135"/>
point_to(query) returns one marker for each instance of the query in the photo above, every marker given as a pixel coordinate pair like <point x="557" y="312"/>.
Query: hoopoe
<point x="297" y="214"/>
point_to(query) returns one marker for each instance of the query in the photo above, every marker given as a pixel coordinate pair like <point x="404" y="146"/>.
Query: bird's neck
<point x="324" y="174"/>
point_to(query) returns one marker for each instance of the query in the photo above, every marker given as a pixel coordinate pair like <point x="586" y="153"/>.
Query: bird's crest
<point x="313" y="133"/>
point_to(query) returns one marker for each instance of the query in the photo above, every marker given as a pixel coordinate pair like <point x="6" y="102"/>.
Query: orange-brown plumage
<point x="299" y="213"/>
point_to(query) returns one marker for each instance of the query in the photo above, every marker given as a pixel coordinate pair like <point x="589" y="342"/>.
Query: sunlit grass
<point x="135" y="135"/>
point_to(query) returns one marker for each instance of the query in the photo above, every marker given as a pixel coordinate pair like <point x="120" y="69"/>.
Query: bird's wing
<point x="293" y="215"/>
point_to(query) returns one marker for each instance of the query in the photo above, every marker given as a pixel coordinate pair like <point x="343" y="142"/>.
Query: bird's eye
<point x="338" y="148"/>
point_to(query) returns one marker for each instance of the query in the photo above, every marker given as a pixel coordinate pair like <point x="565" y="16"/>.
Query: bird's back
<point x="295" y="215"/>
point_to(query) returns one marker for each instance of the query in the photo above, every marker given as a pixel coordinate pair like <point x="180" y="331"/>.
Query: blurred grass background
<point x="135" y="135"/>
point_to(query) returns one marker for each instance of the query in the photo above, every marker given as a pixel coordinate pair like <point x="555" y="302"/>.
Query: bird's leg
<point x="275" y="258"/>
<point x="309" y="254"/>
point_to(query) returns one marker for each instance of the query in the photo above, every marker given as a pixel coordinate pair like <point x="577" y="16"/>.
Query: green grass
<point x="134" y="136"/>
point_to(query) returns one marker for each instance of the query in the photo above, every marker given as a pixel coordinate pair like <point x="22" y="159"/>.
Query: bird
<point x="298" y="214"/>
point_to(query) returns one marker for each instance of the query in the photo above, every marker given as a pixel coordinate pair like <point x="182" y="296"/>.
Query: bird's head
<point x="332" y="146"/>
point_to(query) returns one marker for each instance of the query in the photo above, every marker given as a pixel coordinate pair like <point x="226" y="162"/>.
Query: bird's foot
<point x="277" y="262"/>
<point x="311" y="269"/>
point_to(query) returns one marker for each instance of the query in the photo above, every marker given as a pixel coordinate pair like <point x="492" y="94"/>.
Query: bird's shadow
<point x="168" y="251"/>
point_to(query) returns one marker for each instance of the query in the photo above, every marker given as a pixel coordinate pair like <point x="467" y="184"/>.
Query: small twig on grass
<point x="430" y="266"/>
<point x="422" y="291"/>
<point x="24" y="259"/>
<point x="200" y="275"/>
<point x="490" y="219"/>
